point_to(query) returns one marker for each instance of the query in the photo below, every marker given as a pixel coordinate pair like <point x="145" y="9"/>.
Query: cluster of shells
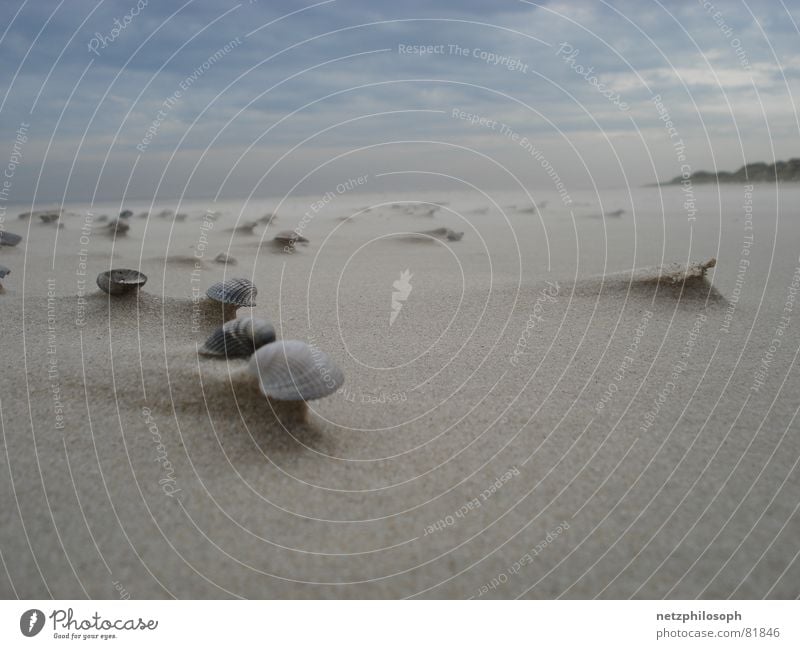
<point x="286" y="370"/>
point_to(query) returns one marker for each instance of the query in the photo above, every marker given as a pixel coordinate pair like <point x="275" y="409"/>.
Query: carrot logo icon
<point x="402" y="289"/>
<point x="31" y="622"/>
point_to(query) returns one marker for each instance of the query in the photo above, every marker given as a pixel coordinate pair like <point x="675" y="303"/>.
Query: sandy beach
<point x="537" y="416"/>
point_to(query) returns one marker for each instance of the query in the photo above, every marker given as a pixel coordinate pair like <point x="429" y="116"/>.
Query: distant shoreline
<point x="756" y="172"/>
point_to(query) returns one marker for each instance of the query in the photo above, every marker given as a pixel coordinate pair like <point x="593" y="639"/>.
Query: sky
<point x="138" y="99"/>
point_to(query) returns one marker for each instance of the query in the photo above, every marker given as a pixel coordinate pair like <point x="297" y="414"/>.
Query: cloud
<point x="332" y="74"/>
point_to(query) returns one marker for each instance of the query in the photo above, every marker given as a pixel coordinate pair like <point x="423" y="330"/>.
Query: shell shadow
<point x="240" y="415"/>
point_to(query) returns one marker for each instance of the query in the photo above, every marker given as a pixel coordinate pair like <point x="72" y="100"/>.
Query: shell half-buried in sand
<point x="117" y="228"/>
<point x="237" y="291"/>
<point x="237" y="338"/>
<point x="291" y="370"/>
<point x="119" y="281"/>
<point x="287" y="239"/>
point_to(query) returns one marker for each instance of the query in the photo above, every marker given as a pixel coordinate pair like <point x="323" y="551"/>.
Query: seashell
<point x="291" y="370"/>
<point x="118" y="281"/>
<point x="289" y="237"/>
<point x="125" y="214"/>
<point x="118" y="227"/>
<point x="4" y="271"/>
<point x="452" y="235"/>
<point x="9" y="238"/>
<point x="49" y="217"/>
<point x="165" y="213"/>
<point x="222" y="258"/>
<point x="237" y="291"/>
<point x="240" y="337"/>
<point x="181" y="217"/>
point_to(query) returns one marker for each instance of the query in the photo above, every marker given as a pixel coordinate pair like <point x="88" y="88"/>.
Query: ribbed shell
<point x="9" y="238"/>
<point x="238" y="291"/>
<point x="120" y="280"/>
<point x="240" y="337"/>
<point x="290" y="370"/>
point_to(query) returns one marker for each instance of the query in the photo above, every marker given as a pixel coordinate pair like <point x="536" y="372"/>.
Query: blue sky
<point x="308" y="94"/>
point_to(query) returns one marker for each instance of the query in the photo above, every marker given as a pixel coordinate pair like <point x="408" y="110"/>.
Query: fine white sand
<point x="467" y="454"/>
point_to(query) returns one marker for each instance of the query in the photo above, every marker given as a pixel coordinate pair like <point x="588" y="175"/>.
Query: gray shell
<point x="126" y="214"/>
<point x="118" y="227"/>
<point x="238" y="291"/>
<point x="289" y="237"/>
<point x="291" y="370"/>
<point x="240" y="337"/>
<point x="9" y="238"/>
<point x="452" y="235"/>
<point x="121" y="280"/>
<point x="4" y="271"/>
<point x="50" y="217"/>
<point x="222" y="258"/>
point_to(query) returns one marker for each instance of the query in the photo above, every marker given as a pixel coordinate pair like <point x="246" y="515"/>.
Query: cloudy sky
<point x="229" y="99"/>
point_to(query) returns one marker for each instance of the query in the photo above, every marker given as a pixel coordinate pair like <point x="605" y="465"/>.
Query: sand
<point x="539" y="420"/>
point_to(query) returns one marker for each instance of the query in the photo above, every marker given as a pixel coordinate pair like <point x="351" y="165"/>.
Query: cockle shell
<point x="222" y="258"/>
<point x="121" y="280"/>
<point x="126" y="214"/>
<point x="50" y="217"/>
<point x="240" y="337"/>
<point x="291" y="370"/>
<point x="9" y="238"/>
<point x="238" y="291"/>
<point x="117" y="227"/>
<point x="289" y="237"/>
<point x="4" y="271"/>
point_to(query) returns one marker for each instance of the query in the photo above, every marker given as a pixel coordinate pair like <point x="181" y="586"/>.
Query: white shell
<point x="291" y="370"/>
<point x="238" y="291"/>
<point x="240" y="337"/>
